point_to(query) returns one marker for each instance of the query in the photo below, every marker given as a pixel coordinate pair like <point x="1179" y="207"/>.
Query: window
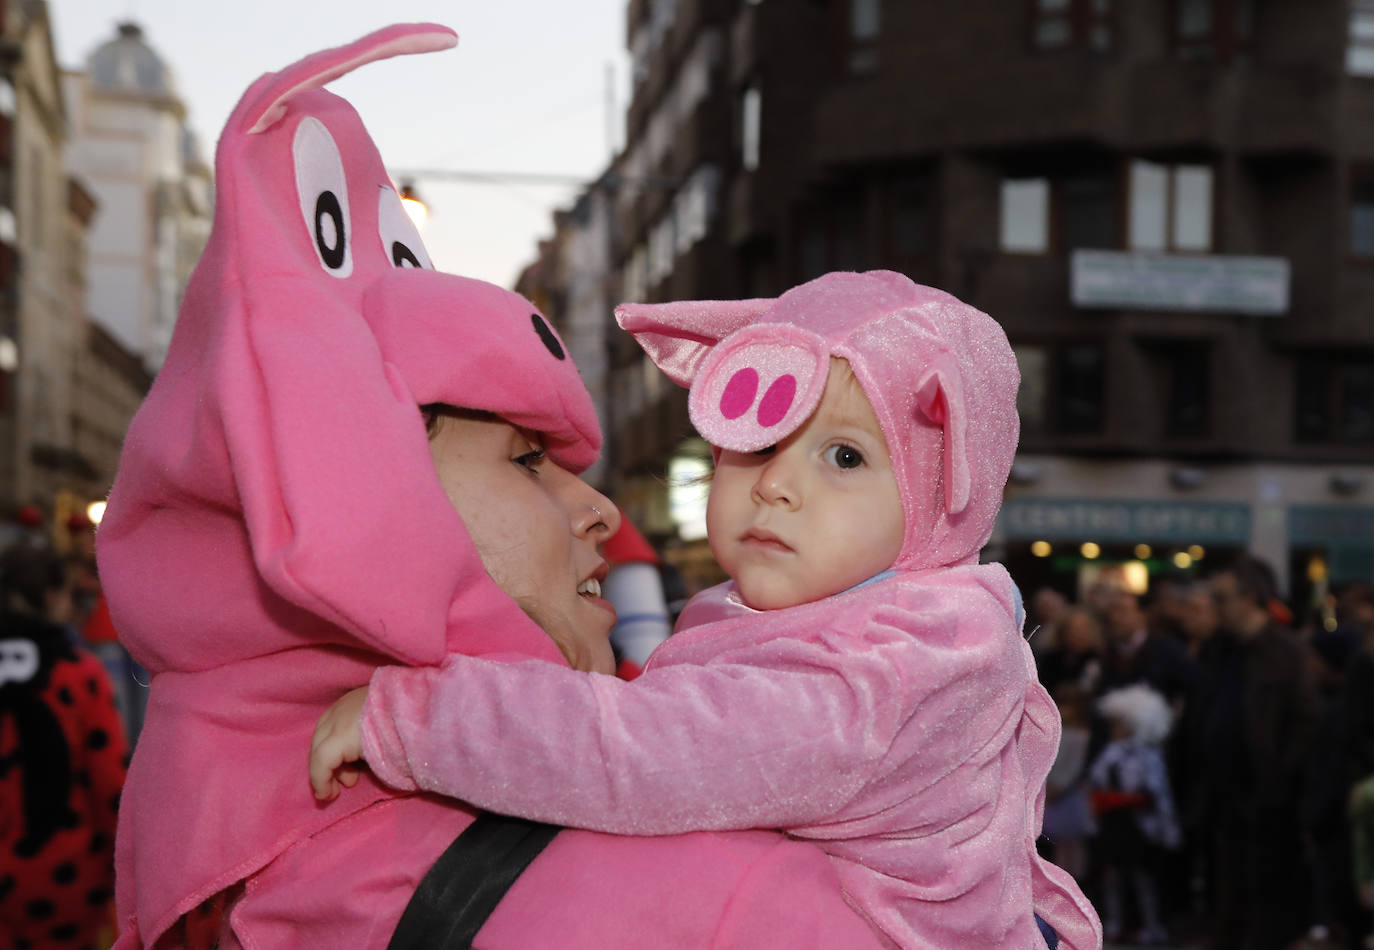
<point x="909" y="217"/>
<point x="832" y="235"/>
<point x="1088" y="210"/>
<point x="1080" y="390"/>
<point x="1170" y="207"/>
<point x="1032" y="399"/>
<point x="1359" y="54"/>
<point x="1025" y="215"/>
<point x="1060" y="24"/>
<point x="751" y="114"/>
<point x="1187" y="369"/>
<point x="1362" y="219"/>
<point x="1061" y="389"/>
<point x="1213" y="29"/>
<point x="1335" y="400"/>
<point x="865" y="23"/>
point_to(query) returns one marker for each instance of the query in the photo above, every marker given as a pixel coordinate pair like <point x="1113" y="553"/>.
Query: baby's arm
<point x="681" y="748"/>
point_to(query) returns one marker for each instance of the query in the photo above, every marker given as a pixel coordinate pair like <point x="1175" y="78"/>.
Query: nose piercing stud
<point x="595" y="509"/>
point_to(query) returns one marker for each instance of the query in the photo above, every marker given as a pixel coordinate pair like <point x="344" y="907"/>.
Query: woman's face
<point x="536" y="526"/>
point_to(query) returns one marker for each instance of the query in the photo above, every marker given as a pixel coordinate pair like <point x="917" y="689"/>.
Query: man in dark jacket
<point x="1256" y="717"/>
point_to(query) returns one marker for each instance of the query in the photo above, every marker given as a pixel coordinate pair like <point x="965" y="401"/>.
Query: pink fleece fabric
<point x="277" y="530"/>
<point x="899" y="724"/>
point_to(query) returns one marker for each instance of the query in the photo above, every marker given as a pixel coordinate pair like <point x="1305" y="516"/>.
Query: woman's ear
<point x="677" y="336"/>
<point x="940" y="397"/>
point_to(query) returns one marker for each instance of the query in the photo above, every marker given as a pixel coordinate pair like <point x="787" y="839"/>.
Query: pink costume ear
<point x="677" y="336"/>
<point x="316" y="70"/>
<point x="940" y="396"/>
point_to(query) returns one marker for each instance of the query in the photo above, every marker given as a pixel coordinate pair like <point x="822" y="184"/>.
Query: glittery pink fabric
<point x="277" y="530"/>
<point x="899" y="724"/>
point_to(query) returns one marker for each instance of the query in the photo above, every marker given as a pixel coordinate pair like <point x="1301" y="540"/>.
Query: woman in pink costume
<point x="861" y="681"/>
<point x="279" y="529"/>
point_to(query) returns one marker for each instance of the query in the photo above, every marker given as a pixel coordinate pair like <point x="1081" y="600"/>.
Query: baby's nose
<point x="751" y="393"/>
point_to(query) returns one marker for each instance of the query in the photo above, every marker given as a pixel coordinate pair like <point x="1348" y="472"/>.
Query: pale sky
<point x="524" y="91"/>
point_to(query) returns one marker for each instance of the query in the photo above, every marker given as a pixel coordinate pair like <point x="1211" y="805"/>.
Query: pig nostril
<point x="739" y="393"/>
<point x="777" y="400"/>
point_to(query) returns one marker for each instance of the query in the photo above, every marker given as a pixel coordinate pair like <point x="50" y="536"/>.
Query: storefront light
<point x="95" y="511"/>
<point x="1137" y="577"/>
<point x="1183" y="560"/>
<point x="1042" y="549"/>
<point x="1143" y="552"/>
<point x="1197" y="552"/>
<point x="1090" y="550"/>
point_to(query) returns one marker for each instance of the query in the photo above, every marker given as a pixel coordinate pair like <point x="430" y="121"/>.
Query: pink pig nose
<point x="787" y="365"/>
<point x="740" y="391"/>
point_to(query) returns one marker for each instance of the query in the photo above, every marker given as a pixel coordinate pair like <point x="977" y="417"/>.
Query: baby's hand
<point x="337" y="745"/>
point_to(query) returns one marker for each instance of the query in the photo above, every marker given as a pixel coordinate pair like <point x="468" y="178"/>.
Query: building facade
<point x="1169" y="207"/>
<point x="132" y="145"/>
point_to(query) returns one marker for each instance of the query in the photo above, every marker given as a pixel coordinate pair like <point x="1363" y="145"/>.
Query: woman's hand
<point x="337" y="745"/>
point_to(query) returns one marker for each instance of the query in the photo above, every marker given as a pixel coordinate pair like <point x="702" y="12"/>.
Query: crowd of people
<point x="1216" y="773"/>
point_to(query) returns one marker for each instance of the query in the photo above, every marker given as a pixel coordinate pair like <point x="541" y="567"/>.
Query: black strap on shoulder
<point x="459" y="893"/>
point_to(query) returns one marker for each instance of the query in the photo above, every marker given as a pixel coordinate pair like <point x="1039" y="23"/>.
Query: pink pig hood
<point x="277" y="528"/>
<point x="940" y="375"/>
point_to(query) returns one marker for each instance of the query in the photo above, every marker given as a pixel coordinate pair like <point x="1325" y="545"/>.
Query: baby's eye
<point x="768" y="451"/>
<point x="530" y="460"/>
<point x="844" y="456"/>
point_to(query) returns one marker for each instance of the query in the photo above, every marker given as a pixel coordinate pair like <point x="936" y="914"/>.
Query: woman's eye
<point x="844" y="456"/>
<point x="530" y="460"/>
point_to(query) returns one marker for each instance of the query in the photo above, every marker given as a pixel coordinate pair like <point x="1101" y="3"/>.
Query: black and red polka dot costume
<point x="63" y="758"/>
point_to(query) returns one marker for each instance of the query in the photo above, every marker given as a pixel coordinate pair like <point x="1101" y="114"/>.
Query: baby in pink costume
<point x="896" y="721"/>
<point x="278" y="530"/>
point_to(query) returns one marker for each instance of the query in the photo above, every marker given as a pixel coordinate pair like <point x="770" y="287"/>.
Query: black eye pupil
<point x="848" y="458"/>
<point x="403" y="256"/>
<point x="331" y="252"/>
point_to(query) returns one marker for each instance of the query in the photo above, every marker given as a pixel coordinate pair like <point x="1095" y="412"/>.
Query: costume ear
<point x="940" y="396"/>
<point x="327" y="65"/>
<point x="677" y="336"/>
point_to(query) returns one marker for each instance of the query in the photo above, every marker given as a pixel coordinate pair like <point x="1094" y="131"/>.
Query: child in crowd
<point x="861" y="681"/>
<point x="1135" y="807"/>
<point x="1069" y="825"/>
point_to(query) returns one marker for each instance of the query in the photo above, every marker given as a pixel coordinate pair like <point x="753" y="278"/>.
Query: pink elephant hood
<point x="277" y="528"/>
<point x="940" y="375"/>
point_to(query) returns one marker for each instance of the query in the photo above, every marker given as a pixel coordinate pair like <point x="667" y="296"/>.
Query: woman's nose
<point x="595" y="514"/>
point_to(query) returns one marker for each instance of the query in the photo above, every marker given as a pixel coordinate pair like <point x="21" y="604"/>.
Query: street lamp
<point x="416" y="208"/>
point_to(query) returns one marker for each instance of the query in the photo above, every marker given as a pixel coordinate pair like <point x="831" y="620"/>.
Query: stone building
<point x="131" y="143"/>
<point x="1168" y="206"/>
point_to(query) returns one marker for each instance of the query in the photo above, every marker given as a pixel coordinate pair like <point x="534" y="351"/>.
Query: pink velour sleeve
<point x="680" y="748"/>
<point x="783" y="734"/>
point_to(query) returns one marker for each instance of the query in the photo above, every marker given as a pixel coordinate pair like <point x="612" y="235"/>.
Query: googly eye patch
<point x="758" y="385"/>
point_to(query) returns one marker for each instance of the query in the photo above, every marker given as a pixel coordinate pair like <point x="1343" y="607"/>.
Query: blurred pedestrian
<point x="1047" y="607"/>
<point x="1138" y="654"/>
<point x="1068" y="826"/>
<point x="1256" y="722"/>
<point x="64" y="761"/>
<point x="1326" y="794"/>
<point x="1135" y="809"/>
<point x="1076" y="658"/>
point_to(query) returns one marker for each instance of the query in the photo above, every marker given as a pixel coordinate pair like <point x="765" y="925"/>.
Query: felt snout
<point x="758" y="385"/>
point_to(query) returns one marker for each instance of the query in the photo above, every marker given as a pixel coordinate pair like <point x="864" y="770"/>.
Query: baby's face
<point x="813" y="515"/>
